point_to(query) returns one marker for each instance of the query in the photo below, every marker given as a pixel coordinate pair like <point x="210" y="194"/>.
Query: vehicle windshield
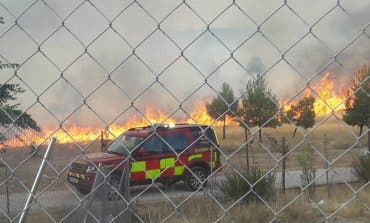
<point x="125" y="144"/>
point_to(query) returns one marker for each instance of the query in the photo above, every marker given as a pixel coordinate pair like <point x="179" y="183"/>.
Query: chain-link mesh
<point x="89" y="70"/>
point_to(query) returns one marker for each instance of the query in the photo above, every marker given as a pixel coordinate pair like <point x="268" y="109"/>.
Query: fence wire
<point x="81" y="83"/>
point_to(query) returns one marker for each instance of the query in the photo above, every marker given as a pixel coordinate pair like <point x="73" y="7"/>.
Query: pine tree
<point x="302" y="114"/>
<point x="357" y="112"/>
<point x="258" y="106"/>
<point x="10" y="114"/>
<point x="222" y="105"/>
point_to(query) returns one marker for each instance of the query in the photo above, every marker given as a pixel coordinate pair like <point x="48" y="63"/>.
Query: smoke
<point x="154" y="74"/>
<point x="255" y="66"/>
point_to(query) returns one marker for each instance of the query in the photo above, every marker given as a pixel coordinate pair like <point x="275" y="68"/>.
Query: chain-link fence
<point x="184" y="111"/>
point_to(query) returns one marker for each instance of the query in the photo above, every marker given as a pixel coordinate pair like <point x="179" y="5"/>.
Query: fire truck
<point x="157" y="153"/>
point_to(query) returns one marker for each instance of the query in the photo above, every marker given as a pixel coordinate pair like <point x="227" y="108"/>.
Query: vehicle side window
<point x="153" y="145"/>
<point x="176" y="142"/>
<point x="203" y="139"/>
<point x="211" y="136"/>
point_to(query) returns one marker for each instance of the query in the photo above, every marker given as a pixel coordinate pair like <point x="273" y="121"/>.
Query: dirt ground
<point x="342" y="145"/>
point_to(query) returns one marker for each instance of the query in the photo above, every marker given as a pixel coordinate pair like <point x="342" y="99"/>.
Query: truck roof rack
<point x="154" y="126"/>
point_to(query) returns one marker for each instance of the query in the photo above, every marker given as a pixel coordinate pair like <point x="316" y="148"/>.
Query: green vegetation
<point x="222" y="105"/>
<point x="362" y="167"/>
<point x="357" y="112"/>
<point x="251" y="185"/>
<point x="10" y="115"/>
<point x="302" y="114"/>
<point x="258" y="106"/>
<point x="306" y="161"/>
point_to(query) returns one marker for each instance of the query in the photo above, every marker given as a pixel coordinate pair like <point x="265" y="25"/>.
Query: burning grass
<point x="85" y="135"/>
<point x="339" y="139"/>
<point x="328" y="98"/>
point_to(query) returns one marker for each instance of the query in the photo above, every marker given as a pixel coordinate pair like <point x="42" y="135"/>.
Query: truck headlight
<point x="91" y="169"/>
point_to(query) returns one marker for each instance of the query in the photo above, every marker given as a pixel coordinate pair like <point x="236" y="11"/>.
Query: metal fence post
<point x="103" y="196"/>
<point x="212" y="163"/>
<point x="7" y="192"/>
<point x="284" y="151"/>
<point x="102" y="142"/>
<point x="126" y="190"/>
<point x="6" y="184"/>
<point x="97" y="181"/>
<point x="327" y="166"/>
<point x="368" y="135"/>
<point x="37" y="181"/>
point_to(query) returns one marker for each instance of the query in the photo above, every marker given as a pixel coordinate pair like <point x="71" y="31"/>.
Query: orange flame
<point x="84" y="135"/>
<point x="200" y="116"/>
<point x="327" y="101"/>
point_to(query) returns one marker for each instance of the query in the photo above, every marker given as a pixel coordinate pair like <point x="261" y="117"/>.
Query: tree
<point x="306" y="160"/>
<point x="357" y="112"/>
<point x="222" y="105"/>
<point x="302" y="114"/>
<point x="258" y="107"/>
<point x="282" y="148"/>
<point x="9" y="113"/>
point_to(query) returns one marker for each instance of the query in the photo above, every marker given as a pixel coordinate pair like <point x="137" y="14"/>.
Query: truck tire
<point x="192" y="178"/>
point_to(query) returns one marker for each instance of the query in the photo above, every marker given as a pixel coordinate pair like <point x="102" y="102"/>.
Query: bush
<point x="306" y="160"/>
<point x="362" y="167"/>
<point x="235" y="186"/>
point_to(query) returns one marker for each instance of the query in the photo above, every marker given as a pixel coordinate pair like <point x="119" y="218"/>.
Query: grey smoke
<point x="256" y="66"/>
<point x="133" y="83"/>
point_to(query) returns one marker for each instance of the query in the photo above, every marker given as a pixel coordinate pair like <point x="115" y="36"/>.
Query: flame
<point x="200" y="116"/>
<point x="328" y="100"/>
<point x="84" y="135"/>
<point x="284" y="105"/>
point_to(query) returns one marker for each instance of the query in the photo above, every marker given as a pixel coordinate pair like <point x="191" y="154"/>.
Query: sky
<point x="112" y="55"/>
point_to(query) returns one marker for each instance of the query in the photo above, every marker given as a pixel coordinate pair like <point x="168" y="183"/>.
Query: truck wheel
<point x="168" y="182"/>
<point x="194" y="178"/>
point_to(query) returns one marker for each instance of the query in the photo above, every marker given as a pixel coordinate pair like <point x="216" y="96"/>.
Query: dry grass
<point x="339" y="139"/>
<point x="354" y="208"/>
<point x="339" y="136"/>
<point x="26" y="166"/>
<point x="202" y="211"/>
<point x="301" y="210"/>
<point x="205" y="209"/>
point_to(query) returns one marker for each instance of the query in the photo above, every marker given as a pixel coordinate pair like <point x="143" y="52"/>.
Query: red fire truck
<point x="162" y="153"/>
